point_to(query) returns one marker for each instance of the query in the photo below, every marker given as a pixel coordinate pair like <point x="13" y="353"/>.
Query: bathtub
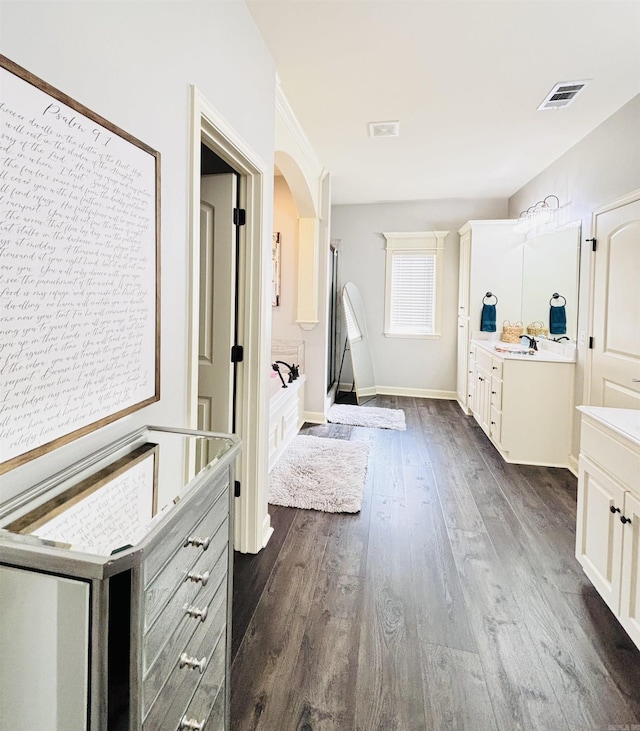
<point x="286" y="413"/>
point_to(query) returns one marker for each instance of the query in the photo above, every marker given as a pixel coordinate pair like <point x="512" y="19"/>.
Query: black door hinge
<point x="237" y="354"/>
<point x="239" y="216"/>
<point x="590" y="342"/>
<point x="594" y="244"/>
<point x="236" y="488"/>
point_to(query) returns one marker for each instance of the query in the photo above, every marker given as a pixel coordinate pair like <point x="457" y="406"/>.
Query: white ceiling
<point x="464" y="79"/>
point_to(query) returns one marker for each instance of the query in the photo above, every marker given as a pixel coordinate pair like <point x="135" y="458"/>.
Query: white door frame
<point x="252" y="528"/>
<point x="623" y="201"/>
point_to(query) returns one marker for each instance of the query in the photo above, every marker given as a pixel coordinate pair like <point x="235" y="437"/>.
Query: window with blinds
<point x="413" y="284"/>
<point x="413" y="293"/>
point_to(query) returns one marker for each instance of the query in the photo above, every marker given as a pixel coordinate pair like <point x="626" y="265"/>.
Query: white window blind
<point x="413" y="284"/>
<point x="413" y="293"/>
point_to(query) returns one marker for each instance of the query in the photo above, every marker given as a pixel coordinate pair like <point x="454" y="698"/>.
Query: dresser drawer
<point x="615" y="457"/>
<point x="208" y="702"/>
<point x="188" y="594"/>
<point x="187" y="524"/>
<point x="188" y="559"/>
<point x="184" y="631"/>
<point x="496" y="367"/>
<point x="173" y="691"/>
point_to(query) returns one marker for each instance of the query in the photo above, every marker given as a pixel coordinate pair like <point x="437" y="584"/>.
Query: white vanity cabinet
<point x="115" y="589"/>
<point x="490" y="261"/>
<point x="608" y="510"/>
<point x="523" y="403"/>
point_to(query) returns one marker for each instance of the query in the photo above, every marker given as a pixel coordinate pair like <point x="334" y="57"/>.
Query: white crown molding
<point x="283" y="108"/>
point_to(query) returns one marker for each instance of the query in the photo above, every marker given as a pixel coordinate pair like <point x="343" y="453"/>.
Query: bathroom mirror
<point x="361" y="363"/>
<point x="550" y="266"/>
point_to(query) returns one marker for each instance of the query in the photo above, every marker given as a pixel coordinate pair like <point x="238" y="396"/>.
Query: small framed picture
<point x="275" y="274"/>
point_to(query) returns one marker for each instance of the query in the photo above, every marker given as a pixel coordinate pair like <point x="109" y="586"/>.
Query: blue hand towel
<point x="557" y="320"/>
<point x="488" y="319"/>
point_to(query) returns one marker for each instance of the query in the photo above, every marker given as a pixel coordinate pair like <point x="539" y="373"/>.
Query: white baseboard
<point x="416" y="392"/>
<point x="314" y="417"/>
<point x="573" y="465"/>
<point x="267" y="530"/>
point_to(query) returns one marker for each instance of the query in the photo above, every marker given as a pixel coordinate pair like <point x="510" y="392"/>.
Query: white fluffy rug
<point x="371" y="416"/>
<point x="320" y="474"/>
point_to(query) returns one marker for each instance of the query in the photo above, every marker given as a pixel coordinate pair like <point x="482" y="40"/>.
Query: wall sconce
<point x="538" y="215"/>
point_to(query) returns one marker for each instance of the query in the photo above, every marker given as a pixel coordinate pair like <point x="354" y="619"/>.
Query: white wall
<point x="132" y="62"/>
<point x="405" y="365"/>
<point x="601" y="168"/>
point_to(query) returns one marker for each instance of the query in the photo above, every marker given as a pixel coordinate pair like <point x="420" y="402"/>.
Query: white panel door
<point x="599" y="530"/>
<point x="615" y="357"/>
<point x="217" y="303"/>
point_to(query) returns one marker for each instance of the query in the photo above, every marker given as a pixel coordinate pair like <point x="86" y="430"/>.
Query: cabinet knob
<point x="202" y="578"/>
<point x="191" y="724"/>
<point x="494" y="368"/>
<point x="480" y="378"/>
<point x="193" y="611"/>
<point x="198" y="542"/>
<point x="192" y="662"/>
<point x="494" y="393"/>
<point x="624" y="519"/>
<point x="494" y="423"/>
<point x="613" y="509"/>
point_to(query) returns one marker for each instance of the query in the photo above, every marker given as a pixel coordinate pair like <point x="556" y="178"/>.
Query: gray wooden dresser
<point x="115" y="590"/>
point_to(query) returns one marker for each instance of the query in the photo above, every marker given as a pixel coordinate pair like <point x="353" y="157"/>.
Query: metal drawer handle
<point x="192" y="662"/>
<point x="193" y="611"/>
<point x="191" y="724"/>
<point x="624" y="519"/>
<point x="198" y="542"/>
<point x="202" y="578"/>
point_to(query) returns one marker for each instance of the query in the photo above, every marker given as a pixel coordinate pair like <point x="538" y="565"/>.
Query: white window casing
<point x="413" y="284"/>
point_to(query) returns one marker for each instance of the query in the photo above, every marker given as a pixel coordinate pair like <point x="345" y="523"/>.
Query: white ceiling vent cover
<point x="563" y="94"/>
<point x="384" y="129"/>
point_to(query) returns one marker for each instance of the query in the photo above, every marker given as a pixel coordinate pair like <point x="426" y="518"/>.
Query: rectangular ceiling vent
<point x="384" y="129"/>
<point x="562" y="94"/>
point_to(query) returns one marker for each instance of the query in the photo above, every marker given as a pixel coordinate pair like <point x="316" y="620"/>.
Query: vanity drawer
<point x="483" y="359"/>
<point x="495" y="427"/>
<point x="496" y="367"/>
<point x="189" y="595"/>
<point x="189" y="523"/>
<point x="617" y="459"/>
<point x="496" y="393"/>
<point x="170" y="692"/>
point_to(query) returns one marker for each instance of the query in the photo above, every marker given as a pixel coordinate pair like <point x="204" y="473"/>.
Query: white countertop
<point x="625" y="422"/>
<point x="540" y="355"/>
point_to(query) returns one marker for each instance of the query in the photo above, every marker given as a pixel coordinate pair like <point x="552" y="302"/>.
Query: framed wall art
<point x="275" y="264"/>
<point x="79" y="269"/>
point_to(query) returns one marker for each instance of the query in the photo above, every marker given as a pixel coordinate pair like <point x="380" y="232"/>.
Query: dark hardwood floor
<point x="451" y="601"/>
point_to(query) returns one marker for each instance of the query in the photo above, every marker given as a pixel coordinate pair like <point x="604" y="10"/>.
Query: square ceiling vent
<point x="384" y="129"/>
<point x="562" y="94"/>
